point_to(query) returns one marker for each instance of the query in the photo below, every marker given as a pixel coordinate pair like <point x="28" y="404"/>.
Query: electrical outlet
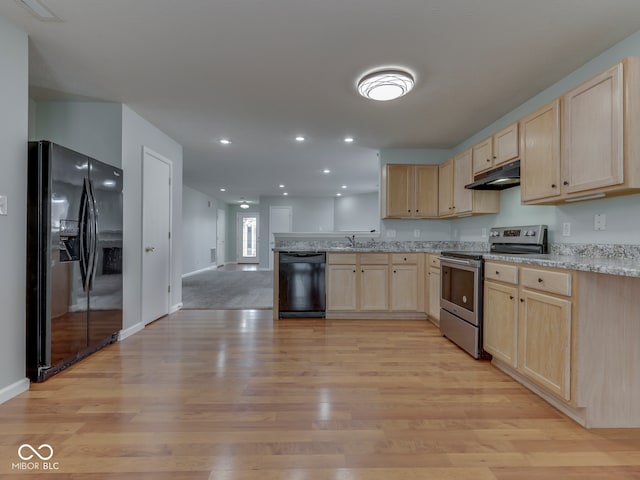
<point x="3" y="204"/>
<point x="391" y="233"/>
<point x="416" y="233"/>
<point x="600" y="221"/>
<point x="566" y="229"/>
<point x="484" y="233"/>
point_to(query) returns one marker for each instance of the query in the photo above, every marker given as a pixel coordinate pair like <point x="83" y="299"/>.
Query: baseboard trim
<point x="175" y="308"/>
<point x="127" y="332"/>
<point x="13" y="390"/>
<point x="338" y="315"/>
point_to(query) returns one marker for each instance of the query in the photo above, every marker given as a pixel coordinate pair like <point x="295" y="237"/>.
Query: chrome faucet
<point x="352" y="240"/>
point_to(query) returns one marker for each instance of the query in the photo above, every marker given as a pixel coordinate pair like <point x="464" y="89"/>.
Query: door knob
<point x="149" y="249"/>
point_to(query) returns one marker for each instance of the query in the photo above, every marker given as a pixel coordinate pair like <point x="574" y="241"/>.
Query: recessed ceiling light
<point x="348" y="140"/>
<point x="223" y="189"/>
<point x="281" y="186"/>
<point x="343" y="186"/>
<point x="285" y="194"/>
<point x="338" y="194"/>
<point x="225" y="141"/>
<point x="326" y="170"/>
<point x="385" y="84"/>
<point x="300" y="138"/>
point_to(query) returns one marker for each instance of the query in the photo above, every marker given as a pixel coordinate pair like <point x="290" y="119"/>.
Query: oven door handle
<point x="456" y="261"/>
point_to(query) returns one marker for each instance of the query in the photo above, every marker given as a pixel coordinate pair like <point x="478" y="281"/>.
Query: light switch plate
<point x="600" y="221"/>
<point x="3" y="205"/>
<point x="566" y="229"/>
<point x="416" y="233"/>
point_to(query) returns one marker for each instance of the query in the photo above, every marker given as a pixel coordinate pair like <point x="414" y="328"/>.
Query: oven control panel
<point x="528" y="234"/>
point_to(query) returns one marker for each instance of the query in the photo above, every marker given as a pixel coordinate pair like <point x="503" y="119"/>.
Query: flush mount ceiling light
<point x="348" y="140"/>
<point x="385" y="84"/>
<point x="224" y="141"/>
<point x="244" y="205"/>
<point x="300" y="138"/>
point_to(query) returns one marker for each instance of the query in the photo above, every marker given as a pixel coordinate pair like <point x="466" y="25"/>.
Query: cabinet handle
<point x="553" y="185"/>
<point x="510" y="297"/>
<point x="405" y="259"/>
<point x="497" y="272"/>
<point x="488" y="159"/>
<point x="409" y="211"/>
<point x="395" y="271"/>
<point x="354" y="271"/>
<point x="522" y="300"/>
<point x="361" y="271"/>
<point x="540" y="280"/>
<point x="417" y="210"/>
<point x="565" y="183"/>
<point x="495" y="156"/>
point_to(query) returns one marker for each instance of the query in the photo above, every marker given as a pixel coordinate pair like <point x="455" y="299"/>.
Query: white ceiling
<point x="261" y="72"/>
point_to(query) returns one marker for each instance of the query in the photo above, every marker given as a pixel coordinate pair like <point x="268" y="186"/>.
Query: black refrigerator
<point x="74" y="257"/>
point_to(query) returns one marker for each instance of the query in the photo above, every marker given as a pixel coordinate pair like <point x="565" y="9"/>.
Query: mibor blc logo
<point x="34" y="459"/>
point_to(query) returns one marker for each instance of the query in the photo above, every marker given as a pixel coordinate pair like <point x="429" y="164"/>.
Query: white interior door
<point x="247" y="237"/>
<point x="156" y="237"/>
<point x="280" y="221"/>
<point x="221" y="232"/>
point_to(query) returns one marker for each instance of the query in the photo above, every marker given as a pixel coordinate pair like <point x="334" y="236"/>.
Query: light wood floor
<point x="233" y="395"/>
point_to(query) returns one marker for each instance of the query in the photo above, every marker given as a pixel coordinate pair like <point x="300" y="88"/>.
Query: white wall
<point x="136" y="133"/>
<point x="357" y="212"/>
<point x="309" y="214"/>
<point x="91" y="128"/>
<point x="13" y="183"/>
<point x="199" y="215"/>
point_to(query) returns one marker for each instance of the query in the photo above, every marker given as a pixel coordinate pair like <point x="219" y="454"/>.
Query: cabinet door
<point x="545" y="341"/>
<point x="540" y="153"/>
<point x="593" y="133"/>
<point x="462" y="175"/>
<point x="399" y="191"/>
<point x="500" y="335"/>
<point x="404" y="288"/>
<point x="341" y="287"/>
<point x="505" y="145"/>
<point x="445" y="188"/>
<point x="482" y="156"/>
<point x="426" y="191"/>
<point x="374" y="287"/>
<point x="434" y="294"/>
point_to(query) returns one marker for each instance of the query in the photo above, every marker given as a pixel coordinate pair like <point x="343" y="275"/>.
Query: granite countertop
<point x="625" y="267"/>
<point x="597" y="260"/>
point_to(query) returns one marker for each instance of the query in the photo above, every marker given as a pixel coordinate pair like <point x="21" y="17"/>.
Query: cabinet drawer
<point x="341" y="258"/>
<point x="501" y="272"/>
<point x="374" y="259"/>
<point x="404" y="258"/>
<point x="546" y="281"/>
<point x="434" y="260"/>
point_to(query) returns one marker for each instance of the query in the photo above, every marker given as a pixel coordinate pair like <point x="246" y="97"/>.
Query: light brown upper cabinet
<point x="540" y="153"/>
<point x="455" y="200"/>
<point x="600" y="136"/>
<point x="496" y="150"/>
<point x="593" y="133"/>
<point x="445" y="188"/>
<point x="410" y="191"/>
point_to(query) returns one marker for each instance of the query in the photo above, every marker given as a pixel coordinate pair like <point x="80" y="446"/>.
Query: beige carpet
<point x="223" y="290"/>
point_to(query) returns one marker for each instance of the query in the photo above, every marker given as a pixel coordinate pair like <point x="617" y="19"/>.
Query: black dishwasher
<point x="301" y="284"/>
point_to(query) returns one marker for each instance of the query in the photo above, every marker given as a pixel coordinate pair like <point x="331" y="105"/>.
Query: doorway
<point x="247" y="237"/>
<point x="221" y="232"/>
<point x="157" y="172"/>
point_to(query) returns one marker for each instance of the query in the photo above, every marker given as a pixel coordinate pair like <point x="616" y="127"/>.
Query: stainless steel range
<point x="461" y="287"/>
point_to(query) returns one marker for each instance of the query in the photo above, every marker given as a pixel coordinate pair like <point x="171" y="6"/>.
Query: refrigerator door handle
<point x="84" y="247"/>
<point x="93" y="229"/>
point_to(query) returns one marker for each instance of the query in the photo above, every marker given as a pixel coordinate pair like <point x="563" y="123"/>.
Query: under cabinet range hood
<point x="499" y="178"/>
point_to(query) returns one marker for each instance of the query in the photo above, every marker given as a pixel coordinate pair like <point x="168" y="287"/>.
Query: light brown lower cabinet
<point x="372" y="284"/>
<point x="528" y="324"/>
<point x="433" y="289"/>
